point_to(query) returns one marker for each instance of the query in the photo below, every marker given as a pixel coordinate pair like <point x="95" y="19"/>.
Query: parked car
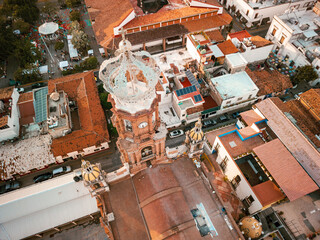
<point x="59" y="170"/>
<point x="38" y="85"/>
<point x="235" y="115"/>
<point x="9" y="186"/>
<point x="42" y="177"/>
<point x="224" y="118"/>
<point x="209" y="123"/>
<point x="176" y="133"/>
<point x="20" y="90"/>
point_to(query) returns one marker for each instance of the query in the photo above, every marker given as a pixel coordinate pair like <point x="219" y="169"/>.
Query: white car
<point x="176" y="133"/>
<point x="59" y="170"/>
<point x="20" y="90"/>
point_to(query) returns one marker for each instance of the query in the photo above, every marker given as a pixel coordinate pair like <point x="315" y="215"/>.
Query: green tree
<point x="73" y="3"/>
<point x="80" y="40"/>
<point x="25" y="9"/>
<point x="75" y="25"/>
<point x="58" y="45"/>
<point x="90" y="63"/>
<point x="49" y="8"/>
<point x="75" y="16"/>
<point x="22" y="26"/>
<point x="7" y="40"/>
<point x="26" y="53"/>
<point x="305" y="73"/>
<point x="27" y="75"/>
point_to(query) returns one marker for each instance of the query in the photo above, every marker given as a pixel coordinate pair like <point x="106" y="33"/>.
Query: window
<point x="317" y="67"/>
<point x="255" y="16"/>
<point x="128" y="125"/>
<point x="282" y="38"/>
<point x="274" y="32"/>
<point x="291" y="63"/>
<point x="240" y="98"/>
<point x="235" y="181"/>
<point x="223" y="164"/>
<point x="217" y="147"/>
<point x="228" y="102"/>
<point x="247" y="12"/>
<point x="248" y="201"/>
<point x="250" y="96"/>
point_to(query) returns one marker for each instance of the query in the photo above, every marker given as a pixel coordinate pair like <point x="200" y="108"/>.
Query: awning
<point x="43" y="69"/>
<point x="63" y="64"/>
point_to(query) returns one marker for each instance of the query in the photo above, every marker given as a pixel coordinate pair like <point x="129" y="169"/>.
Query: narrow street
<point x="109" y="160"/>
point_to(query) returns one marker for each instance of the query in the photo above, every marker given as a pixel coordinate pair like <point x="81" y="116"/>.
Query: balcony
<point x="148" y="157"/>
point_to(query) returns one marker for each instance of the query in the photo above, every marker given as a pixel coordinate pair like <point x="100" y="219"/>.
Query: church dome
<point x="196" y="134"/>
<point x="250" y="227"/>
<point x="90" y="172"/>
<point x="130" y="77"/>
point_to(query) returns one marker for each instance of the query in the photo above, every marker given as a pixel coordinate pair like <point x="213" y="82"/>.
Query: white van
<point x="59" y="170"/>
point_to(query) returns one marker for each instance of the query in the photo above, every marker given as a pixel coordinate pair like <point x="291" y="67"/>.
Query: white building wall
<point x="239" y="100"/>
<point x="116" y="30"/>
<point x="257" y="54"/>
<point x="282" y="29"/>
<point x="137" y="47"/>
<point x="13" y="121"/>
<point x="154" y="43"/>
<point x="232" y="170"/>
<point x="265" y="12"/>
<point x="192" y="50"/>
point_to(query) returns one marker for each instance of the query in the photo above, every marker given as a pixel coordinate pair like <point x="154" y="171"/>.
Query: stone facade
<point x="138" y="144"/>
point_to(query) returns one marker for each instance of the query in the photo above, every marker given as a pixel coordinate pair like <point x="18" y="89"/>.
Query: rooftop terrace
<point x="233" y="85"/>
<point x="268" y="3"/>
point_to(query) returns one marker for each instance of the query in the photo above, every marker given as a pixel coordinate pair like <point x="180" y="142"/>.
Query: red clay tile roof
<point x="215" y="36"/>
<point x="241" y="146"/>
<point x="166" y="16"/>
<point x="285" y="169"/>
<point x="292" y="138"/>
<point x="227" y="47"/>
<point x="106" y="16"/>
<point x="208" y="23"/>
<point x="3" y="121"/>
<point x="303" y="119"/>
<point x="268" y="193"/>
<point x="240" y="35"/>
<point x="250" y="117"/>
<point x="312" y="99"/>
<point x="260" y="41"/>
<point x="6" y="92"/>
<point x="269" y="81"/>
<point x="25" y="97"/>
<point x="81" y="87"/>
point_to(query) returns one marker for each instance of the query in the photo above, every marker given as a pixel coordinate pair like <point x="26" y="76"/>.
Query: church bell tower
<point x="130" y="78"/>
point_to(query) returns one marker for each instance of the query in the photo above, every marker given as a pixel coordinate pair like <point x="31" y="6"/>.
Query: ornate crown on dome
<point x="130" y="77"/>
<point x="90" y="172"/>
<point x="196" y="134"/>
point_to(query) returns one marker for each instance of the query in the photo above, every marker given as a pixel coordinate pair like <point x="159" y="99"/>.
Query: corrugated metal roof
<point x="42" y="206"/>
